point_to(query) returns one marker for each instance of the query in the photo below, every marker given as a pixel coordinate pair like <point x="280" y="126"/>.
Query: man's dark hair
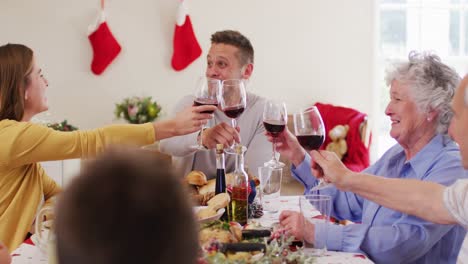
<point x="236" y="39"/>
<point x="126" y="207"/>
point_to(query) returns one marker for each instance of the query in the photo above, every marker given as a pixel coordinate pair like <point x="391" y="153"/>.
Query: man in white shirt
<point x="231" y="56"/>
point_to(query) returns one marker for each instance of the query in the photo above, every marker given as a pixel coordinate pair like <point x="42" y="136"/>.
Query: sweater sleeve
<point x="25" y="143"/>
<point x="180" y="146"/>
<point x="51" y="189"/>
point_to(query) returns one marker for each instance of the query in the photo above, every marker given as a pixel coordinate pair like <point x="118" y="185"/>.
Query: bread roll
<point x="220" y="200"/>
<point x="202" y="199"/>
<point x="205" y="213"/>
<point x="209" y="187"/>
<point x="197" y="178"/>
<point x="192" y="189"/>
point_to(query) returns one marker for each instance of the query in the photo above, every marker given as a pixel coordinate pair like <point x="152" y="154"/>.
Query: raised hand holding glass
<point x="275" y="118"/>
<point x="233" y="100"/>
<point x="310" y="132"/>
<point x="206" y="93"/>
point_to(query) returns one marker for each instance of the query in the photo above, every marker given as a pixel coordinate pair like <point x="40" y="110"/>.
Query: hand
<point x="220" y="134"/>
<point x="288" y="146"/>
<point x="4" y="254"/>
<point x="192" y="119"/>
<point x="297" y="226"/>
<point x="333" y="170"/>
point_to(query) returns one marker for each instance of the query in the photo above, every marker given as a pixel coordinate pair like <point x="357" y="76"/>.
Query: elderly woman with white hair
<point x="419" y="109"/>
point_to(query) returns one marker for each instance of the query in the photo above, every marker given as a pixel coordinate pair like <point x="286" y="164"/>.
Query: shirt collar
<point x="421" y="162"/>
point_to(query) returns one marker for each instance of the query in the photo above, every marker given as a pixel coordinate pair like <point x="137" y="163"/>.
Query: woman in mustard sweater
<point x="24" y="186"/>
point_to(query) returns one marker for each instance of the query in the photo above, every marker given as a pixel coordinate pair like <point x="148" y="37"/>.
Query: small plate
<point x="218" y="214"/>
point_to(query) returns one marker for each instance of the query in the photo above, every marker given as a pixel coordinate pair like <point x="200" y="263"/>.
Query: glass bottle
<point x="220" y="186"/>
<point x="238" y="210"/>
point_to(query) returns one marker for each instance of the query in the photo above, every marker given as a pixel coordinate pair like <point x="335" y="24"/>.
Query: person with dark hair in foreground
<point x="127" y="206"/>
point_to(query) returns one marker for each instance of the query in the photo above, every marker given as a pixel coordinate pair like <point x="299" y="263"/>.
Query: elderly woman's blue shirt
<point x="385" y="235"/>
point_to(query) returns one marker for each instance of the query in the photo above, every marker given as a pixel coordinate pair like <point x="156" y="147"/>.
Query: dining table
<point x="29" y="253"/>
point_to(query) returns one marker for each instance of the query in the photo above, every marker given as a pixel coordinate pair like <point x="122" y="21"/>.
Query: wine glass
<point x="275" y="119"/>
<point x="206" y="93"/>
<point x="310" y="132"/>
<point x="233" y="100"/>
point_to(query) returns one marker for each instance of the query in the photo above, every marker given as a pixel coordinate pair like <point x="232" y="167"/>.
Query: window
<point x="440" y="26"/>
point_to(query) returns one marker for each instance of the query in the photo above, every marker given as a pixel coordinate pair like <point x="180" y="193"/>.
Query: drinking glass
<point x="310" y="132"/>
<point x="44" y="234"/>
<point x="233" y="100"/>
<point x="316" y="209"/>
<point x="206" y="93"/>
<point x="270" y="187"/>
<point x="275" y="119"/>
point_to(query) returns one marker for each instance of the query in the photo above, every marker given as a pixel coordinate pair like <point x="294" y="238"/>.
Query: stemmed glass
<point x="275" y="119"/>
<point x="233" y="100"/>
<point x="206" y="93"/>
<point x="310" y="132"/>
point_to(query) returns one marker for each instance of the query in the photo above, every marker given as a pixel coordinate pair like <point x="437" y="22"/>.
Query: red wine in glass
<point x="205" y="101"/>
<point x="234" y="112"/>
<point x="310" y="142"/>
<point x="206" y="93"/>
<point x="310" y="132"/>
<point x="274" y="127"/>
<point x="233" y="100"/>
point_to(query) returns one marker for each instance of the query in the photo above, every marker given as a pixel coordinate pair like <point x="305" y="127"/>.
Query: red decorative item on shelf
<point x="186" y="47"/>
<point x="105" y="46"/>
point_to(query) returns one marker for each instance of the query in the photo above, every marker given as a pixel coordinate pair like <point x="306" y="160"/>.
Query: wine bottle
<point x="238" y="208"/>
<point x="220" y="186"/>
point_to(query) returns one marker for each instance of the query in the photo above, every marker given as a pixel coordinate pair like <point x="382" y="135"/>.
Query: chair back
<point x="357" y="139"/>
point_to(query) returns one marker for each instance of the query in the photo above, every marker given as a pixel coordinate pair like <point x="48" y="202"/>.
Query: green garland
<point x="62" y="126"/>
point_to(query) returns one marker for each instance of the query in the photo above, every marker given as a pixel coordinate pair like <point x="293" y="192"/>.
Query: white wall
<point x="306" y="50"/>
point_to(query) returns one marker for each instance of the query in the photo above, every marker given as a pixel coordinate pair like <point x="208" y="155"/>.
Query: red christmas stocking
<point x="105" y="48"/>
<point x="186" y="47"/>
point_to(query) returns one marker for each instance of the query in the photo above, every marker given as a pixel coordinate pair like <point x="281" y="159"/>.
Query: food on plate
<point x="206" y="212"/>
<point x="202" y="199"/>
<point x="219" y="201"/>
<point x="236" y="229"/>
<point x="215" y="231"/>
<point x="223" y="242"/>
<point x="192" y="189"/>
<point x="223" y="236"/>
<point x="200" y="189"/>
<point x="196" y="177"/>
<point x="239" y="256"/>
<point x="209" y="187"/>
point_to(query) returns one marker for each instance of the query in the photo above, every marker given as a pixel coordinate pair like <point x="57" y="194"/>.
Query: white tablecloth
<point x="331" y="257"/>
<point x="29" y="254"/>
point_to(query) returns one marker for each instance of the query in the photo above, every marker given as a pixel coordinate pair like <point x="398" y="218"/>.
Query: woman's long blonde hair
<point x="15" y="66"/>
